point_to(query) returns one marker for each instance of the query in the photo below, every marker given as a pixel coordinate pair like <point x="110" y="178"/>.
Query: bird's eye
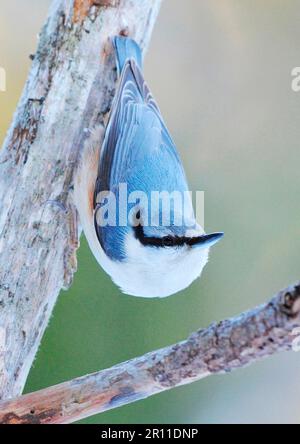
<point x="168" y="241"/>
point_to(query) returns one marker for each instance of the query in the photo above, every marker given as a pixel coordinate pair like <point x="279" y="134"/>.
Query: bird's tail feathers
<point x="126" y="49"/>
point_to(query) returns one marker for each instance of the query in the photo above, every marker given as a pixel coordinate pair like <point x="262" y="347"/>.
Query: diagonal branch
<point x="223" y="347"/>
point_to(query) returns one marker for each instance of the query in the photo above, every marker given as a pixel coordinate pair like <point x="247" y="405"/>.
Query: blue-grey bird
<point x="144" y="259"/>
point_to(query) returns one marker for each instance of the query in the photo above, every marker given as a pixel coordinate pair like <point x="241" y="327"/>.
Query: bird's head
<point x="155" y="261"/>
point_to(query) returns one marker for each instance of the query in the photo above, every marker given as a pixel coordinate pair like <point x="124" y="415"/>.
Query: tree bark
<point x="63" y="106"/>
<point x="220" y="348"/>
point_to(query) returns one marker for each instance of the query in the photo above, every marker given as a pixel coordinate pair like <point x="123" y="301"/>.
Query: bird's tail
<point x="126" y="49"/>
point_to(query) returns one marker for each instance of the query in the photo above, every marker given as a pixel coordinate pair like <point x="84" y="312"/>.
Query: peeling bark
<point x="64" y="103"/>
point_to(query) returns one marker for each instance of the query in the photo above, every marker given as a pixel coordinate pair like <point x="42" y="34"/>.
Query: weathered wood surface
<point x="222" y="347"/>
<point x="64" y="103"/>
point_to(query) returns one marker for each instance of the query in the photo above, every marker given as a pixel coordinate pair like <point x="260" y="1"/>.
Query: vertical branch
<point x="66" y="97"/>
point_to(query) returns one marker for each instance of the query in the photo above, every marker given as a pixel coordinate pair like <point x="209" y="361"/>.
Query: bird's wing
<point x="137" y="147"/>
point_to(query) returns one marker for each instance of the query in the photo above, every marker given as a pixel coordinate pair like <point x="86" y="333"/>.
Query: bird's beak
<point x="208" y="240"/>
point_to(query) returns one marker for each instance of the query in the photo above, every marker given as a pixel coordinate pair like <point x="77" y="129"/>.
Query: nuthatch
<point x="144" y="259"/>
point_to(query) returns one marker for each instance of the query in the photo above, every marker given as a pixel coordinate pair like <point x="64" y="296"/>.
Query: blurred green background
<point x="221" y="72"/>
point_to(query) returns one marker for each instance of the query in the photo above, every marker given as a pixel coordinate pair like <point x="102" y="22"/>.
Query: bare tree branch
<point x="63" y="106"/>
<point x="222" y="347"/>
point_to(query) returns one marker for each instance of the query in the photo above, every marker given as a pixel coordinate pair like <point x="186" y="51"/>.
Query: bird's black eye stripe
<point x="140" y="235"/>
<point x="170" y="241"/>
<point x="165" y="241"/>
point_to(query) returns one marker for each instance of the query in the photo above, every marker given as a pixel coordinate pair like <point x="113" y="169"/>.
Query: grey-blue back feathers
<point x="137" y="148"/>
